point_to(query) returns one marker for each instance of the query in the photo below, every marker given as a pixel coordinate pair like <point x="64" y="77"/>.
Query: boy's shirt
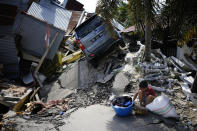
<point x="149" y="91"/>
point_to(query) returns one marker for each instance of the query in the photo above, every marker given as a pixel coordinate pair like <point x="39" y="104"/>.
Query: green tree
<point x="181" y="16"/>
<point x="143" y="13"/>
<point x="107" y="9"/>
<point x="124" y="15"/>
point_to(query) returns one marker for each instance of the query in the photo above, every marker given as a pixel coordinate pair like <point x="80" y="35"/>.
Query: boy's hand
<point x="135" y="96"/>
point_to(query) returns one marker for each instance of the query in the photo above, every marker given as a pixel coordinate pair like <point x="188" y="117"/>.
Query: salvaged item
<point x="161" y="105"/>
<point x="122" y="105"/>
<point x="140" y="110"/>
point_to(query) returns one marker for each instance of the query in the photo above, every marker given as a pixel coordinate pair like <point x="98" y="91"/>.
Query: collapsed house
<point x="29" y="29"/>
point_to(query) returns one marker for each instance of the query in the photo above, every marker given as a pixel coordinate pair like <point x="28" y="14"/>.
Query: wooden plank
<point x="24" y="98"/>
<point x="34" y="93"/>
<point x="27" y="56"/>
<point x="73" y="57"/>
<point x="7" y="98"/>
<point x="66" y="54"/>
<point x="66" y="47"/>
<point x="37" y="97"/>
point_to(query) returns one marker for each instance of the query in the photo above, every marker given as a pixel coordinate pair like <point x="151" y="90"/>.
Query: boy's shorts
<point x="144" y="100"/>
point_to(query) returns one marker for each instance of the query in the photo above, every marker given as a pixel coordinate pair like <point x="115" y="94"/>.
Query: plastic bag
<point x="161" y="105"/>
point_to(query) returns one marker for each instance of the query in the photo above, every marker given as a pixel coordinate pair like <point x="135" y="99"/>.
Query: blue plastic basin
<point x="123" y="111"/>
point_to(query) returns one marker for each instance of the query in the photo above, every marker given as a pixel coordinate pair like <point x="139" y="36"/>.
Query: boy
<point x="146" y="94"/>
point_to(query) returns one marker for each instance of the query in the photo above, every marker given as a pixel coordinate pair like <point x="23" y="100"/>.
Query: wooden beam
<point x="46" y="52"/>
<point x="66" y="47"/>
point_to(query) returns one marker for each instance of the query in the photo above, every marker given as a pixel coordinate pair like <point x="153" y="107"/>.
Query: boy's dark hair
<point x="143" y="84"/>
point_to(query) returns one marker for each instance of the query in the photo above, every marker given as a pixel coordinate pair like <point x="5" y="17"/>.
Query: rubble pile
<point x="171" y="77"/>
<point x="89" y="96"/>
<point x="11" y="94"/>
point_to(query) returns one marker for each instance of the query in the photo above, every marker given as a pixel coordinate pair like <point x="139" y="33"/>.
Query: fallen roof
<point x="54" y="15"/>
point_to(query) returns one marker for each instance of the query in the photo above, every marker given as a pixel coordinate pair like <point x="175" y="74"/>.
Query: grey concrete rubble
<point x="69" y="80"/>
<point x="119" y="84"/>
<point x="88" y="89"/>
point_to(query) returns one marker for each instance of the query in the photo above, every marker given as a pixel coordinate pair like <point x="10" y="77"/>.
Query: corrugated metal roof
<point x="8" y="56"/>
<point x="7" y="50"/>
<point x="130" y="29"/>
<point x="74" y="5"/>
<point x="52" y="14"/>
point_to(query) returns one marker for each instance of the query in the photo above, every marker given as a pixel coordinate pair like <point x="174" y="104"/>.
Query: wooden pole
<point x="46" y="52"/>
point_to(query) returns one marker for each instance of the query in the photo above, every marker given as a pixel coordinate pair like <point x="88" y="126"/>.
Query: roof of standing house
<point x="52" y="14"/>
<point x="74" y="5"/>
<point x="130" y="29"/>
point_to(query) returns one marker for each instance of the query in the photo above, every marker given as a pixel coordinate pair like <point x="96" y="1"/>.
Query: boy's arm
<point x="152" y="91"/>
<point x="135" y="96"/>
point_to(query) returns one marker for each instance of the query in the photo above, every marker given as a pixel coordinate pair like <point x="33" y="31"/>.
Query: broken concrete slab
<point x="69" y="79"/>
<point x="58" y="93"/>
<point x="106" y="78"/>
<point x="187" y="79"/>
<point x="54" y="91"/>
<point x="88" y="74"/>
<point x="119" y="84"/>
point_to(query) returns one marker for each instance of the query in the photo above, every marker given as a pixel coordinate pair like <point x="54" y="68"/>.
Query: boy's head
<point x="143" y="85"/>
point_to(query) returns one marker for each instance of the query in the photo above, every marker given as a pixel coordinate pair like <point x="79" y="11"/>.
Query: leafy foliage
<point x="107" y="8"/>
<point x="180" y="16"/>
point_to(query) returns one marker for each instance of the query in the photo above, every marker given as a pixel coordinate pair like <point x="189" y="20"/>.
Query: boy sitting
<point x="146" y="94"/>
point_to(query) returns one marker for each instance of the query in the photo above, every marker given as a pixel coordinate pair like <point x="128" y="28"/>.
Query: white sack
<point x="161" y="105"/>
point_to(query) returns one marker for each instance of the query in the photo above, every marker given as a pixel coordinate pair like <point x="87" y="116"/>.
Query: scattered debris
<point x="44" y="85"/>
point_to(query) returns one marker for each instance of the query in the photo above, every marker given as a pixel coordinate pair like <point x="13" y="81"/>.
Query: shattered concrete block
<point x="54" y="91"/>
<point x="189" y="80"/>
<point x="129" y="57"/>
<point x="106" y="78"/>
<point x="119" y="84"/>
<point x="69" y="80"/>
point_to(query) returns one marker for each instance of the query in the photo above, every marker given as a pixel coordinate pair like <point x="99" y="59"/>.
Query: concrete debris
<point x="158" y="88"/>
<point x="69" y="79"/>
<point x="106" y="78"/>
<point x="187" y="79"/>
<point x="119" y="84"/>
<point x="129" y="57"/>
<point x="168" y="91"/>
<point x="80" y="84"/>
<point x="180" y="63"/>
<point x="13" y="94"/>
